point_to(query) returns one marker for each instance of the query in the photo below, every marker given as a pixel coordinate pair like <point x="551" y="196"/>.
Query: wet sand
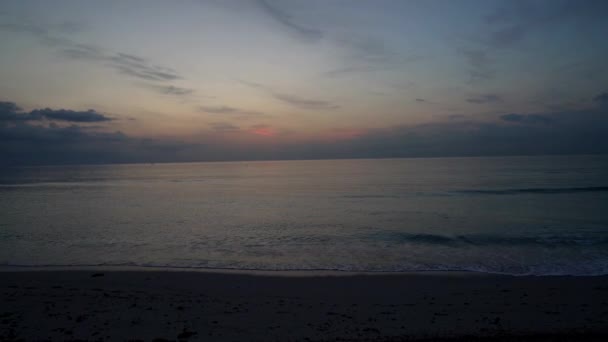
<point x="237" y="306"/>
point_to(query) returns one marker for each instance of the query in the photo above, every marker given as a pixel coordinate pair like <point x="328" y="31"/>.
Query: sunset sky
<point x="139" y="81"/>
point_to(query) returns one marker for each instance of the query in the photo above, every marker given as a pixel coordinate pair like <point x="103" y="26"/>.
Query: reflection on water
<point x="542" y="215"/>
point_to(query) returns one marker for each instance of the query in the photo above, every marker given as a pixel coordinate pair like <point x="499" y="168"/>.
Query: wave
<point x="490" y="240"/>
<point x="534" y="190"/>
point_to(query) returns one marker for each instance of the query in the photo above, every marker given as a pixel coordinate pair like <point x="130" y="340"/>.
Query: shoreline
<point x="225" y="306"/>
<point x="271" y="273"/>
<point x="252" y="272"/>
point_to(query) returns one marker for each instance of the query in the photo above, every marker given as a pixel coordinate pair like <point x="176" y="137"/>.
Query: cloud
<point x="477" y="58"/>
<point x="601" y="99"/>
<point x="28" y="144"/>
<point x="70" y="115"/>
<point x="527" y="118"/>
<point x="303" y="103"/>
<point x="577" y="132"/>
<point x="41" y="136"/>
<point x="550" y="132"/>
<point x="293" y="100"/>
<point x="223" y="127"/>
<point x="171" y="90"/>
<point x="231" y="111"/>
<point x="421" y="100"/>
<point x="513" y="21"/>
<point x="370" y="67"/>
<point x="479" y="64"/>
<point x="352" y="69"/>
<point x="219" y="110"/>
<point x="366" y="49"/>
<point x="288" y="22"/>
<point x="124" y="63"/>
<point x="36" y="142"/>
<point x="364" y="46"/>
<point x="485" y="98"/>
<point x="254" y="85"/>
<point x="364" y="54"/>
<point x="10" y="112"/>
<point x="53" y="133"/>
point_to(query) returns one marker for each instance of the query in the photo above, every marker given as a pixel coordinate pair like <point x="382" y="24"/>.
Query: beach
<point x="135" y="304"/>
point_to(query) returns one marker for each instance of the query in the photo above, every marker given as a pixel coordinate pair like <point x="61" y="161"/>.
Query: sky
<point x="206" y="80"/>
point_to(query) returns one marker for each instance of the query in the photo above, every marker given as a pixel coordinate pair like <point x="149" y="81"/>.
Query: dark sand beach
<point x="299" y="306"/>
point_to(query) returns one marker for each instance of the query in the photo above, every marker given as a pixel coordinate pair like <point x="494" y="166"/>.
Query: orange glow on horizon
<point x="264" y="131"/>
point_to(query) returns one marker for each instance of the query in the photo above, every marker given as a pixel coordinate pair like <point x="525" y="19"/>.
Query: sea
<point x="507" y="215"/>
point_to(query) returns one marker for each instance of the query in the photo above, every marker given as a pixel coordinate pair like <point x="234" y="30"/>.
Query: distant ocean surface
<point x="512" y="215"/>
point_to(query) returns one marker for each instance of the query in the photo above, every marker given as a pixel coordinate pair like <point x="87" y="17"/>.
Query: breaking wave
<point x="491" y="240"/>
<point x="535" y="191"/>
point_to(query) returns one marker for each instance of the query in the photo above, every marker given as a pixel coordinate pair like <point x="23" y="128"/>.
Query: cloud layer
<point x="25" y="140"/>
<point x="287" y="21"/>
<point x="10" y="112"/>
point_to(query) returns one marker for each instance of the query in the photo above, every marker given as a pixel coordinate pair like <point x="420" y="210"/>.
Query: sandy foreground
<point x="298" y="306"/>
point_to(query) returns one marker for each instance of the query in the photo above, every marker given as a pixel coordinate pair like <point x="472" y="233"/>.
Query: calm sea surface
<point x="516" y="215"/>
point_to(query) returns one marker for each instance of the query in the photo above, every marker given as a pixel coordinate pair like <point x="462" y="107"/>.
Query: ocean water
<point x="512" y="215"/>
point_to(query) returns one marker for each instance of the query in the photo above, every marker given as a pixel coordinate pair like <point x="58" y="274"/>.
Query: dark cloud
<point x="10" y="112"/>
<point x="32" y="142"/>
<point x="288" y="22"/>
<point x="303" y="103"/>
<point x="70" y="115"/>
<point x="29" y="144"/>
<point x="527" y="118"/>
<point x="421" y="100"/>
<point x="577" y="132"/>
<point x="485" y="98"/>
<point x="601" y="99"/>
<point x="41" y="137"/>
<point x="565" y="132"/>
<point x="53" y="133"/>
